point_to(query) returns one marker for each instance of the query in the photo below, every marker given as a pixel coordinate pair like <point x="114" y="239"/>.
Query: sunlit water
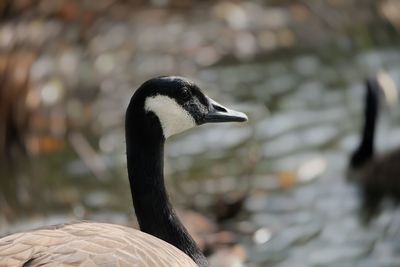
<point x="289" y="161"/>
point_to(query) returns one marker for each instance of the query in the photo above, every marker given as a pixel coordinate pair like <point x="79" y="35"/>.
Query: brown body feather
<point x="89" y="244"/>
<point x="379" y="179"/>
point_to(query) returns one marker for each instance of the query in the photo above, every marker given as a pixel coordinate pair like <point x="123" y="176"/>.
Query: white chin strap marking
<point x="173" y="118"/>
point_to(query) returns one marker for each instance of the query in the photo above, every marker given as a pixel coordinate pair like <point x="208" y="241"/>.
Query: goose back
<point x="89" y="244"/>
<point x="378" y="180"/>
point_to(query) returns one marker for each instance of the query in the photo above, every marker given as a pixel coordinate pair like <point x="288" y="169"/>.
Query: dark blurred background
<point x="271" y="192"/>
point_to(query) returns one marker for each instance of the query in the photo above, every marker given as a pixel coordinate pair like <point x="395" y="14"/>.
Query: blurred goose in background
<point x="161" y="107"/>
<point x="377" y="176"/>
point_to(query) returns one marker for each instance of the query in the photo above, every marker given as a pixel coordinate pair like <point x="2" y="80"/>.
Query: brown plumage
<point x="89" y="244"/>
<point x="379" y="180"/>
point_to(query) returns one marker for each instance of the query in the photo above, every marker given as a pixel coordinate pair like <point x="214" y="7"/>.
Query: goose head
<point x="178" y="104"/>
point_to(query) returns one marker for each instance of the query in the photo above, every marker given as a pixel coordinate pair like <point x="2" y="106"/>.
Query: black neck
<point x="145" y="154"/>
<point x="365" y="150"/>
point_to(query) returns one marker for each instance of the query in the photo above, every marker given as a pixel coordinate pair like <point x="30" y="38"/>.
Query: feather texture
<point x="89" y="244"/>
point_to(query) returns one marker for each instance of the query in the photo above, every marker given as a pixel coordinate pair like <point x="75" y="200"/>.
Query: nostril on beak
<point x="219" y="108"/>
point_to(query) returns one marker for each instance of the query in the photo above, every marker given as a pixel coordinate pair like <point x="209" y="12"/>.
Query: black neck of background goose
<point x="365" y="150"/>
<point x="145" y="157"/>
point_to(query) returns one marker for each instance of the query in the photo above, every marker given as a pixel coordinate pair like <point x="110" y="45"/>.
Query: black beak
<point x="219" y="113"/>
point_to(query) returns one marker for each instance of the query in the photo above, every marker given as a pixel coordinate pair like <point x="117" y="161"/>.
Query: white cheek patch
<point x="173" y="118"/>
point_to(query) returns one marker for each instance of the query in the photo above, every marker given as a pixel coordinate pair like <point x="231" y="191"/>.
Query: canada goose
<point x="161" y="107"/>
<point x="377" y="177"/>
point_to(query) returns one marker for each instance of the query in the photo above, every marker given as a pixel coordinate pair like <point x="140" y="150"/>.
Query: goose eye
<point x="185" y="94"/>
